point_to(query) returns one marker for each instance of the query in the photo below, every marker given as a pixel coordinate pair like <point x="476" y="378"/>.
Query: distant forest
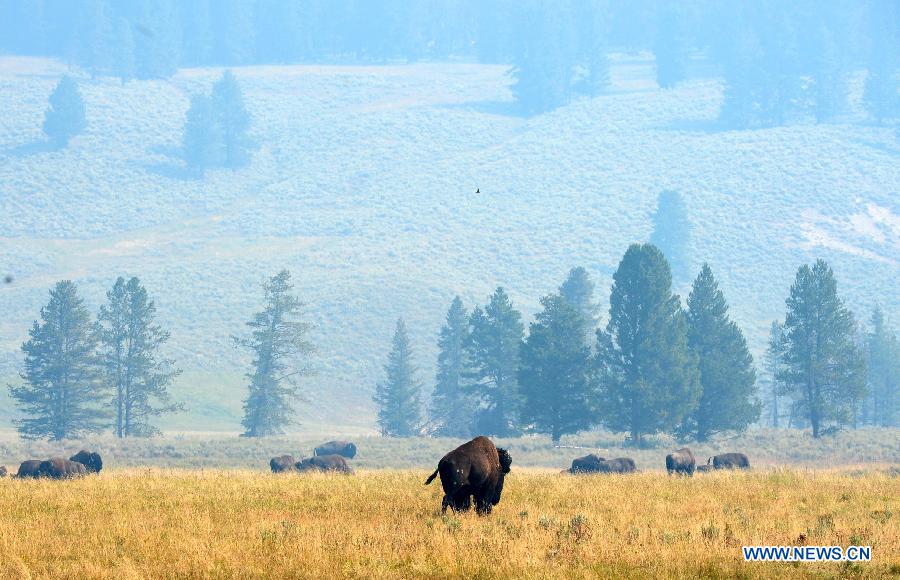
<point x="778" y="59"/>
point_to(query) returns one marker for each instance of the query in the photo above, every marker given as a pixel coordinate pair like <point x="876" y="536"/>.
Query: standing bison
<point x="343" y="448"/>
<point x="474" y="469"/>
<point x="91" y="461"/>
<point x="29" y="468"/>
<point x="282" y="463"/>
<point x="596" y="464"/>
<point x="335" y="463"/>
<point x="587" y="464"/>
<point x="681" y="462"/>
<point x="59" y="468"/>
<point x="730" y="461"/>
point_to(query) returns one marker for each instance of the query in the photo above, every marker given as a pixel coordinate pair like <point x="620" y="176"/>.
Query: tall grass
<point x="238" y="524"/>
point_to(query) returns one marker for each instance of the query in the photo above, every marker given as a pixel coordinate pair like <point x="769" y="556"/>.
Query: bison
<point x="29" y="468"/>
<point x="282" y="463"/>
<point x="474" y="469"/>
<point x="335" y="463"/>
<point x="704" y="468"/>
<point x="59" y="468"/>
<point x="343" y="448"/>
<point x="3" y="472"/>
<point x="730" y="461"/>
<point x="91" y="461"/>
<point x="587" y="464"/>
<point x="681" y="462"/>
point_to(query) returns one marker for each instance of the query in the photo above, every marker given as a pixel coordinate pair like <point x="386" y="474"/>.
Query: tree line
<point x="655" y="367"/>
<point x="779" y="60"/>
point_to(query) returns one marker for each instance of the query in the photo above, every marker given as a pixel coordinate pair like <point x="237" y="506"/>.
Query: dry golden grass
<point x="178" y="523"/>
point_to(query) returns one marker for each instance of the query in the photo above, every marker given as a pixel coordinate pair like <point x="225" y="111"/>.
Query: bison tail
<point x="431" y="477"/>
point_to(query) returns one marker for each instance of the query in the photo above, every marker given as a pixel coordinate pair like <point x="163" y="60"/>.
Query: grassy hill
<point x="363" y="186"/>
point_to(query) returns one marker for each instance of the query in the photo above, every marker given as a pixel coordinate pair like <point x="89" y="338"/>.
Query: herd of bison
<point x="473" y="472"/>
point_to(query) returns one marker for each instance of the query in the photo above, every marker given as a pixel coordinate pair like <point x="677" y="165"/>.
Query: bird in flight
<point x="477" y="190"/>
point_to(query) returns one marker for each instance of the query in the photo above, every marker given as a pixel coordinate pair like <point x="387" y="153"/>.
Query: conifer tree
<point x="399" y="397"/>
<point x="880" y="96"/>
<point x="62" y="395"/>
<point x="203" y="141"/>
<point x="884" y="372"/>
<point x="279" y="344"/>
<point x="670" y="48"/>
<point x="774" y="363"/>
<point x="134" y="369"/>
<point x="65" y="117"/>
<point x="233" y="118"/>
<point x="493" y="347"/>
<point x="823" y="368"/>
<point x="451" y="406"/>
<point x="578" y="291"/>
<point x="543" y="69"/>
<point x="672" y="233"/>
<point x="727" y="377"/>
<point x="648" y="377"/>
<point x="555" y="372"/>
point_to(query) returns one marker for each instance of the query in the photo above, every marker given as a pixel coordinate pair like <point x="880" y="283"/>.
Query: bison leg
<point x="483" y="505"/>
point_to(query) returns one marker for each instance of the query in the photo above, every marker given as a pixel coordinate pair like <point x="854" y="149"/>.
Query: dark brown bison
<point x="587" y="464"/>
<point x="29" y="468"/>
<point x="282" y="463"/>
<point x="335" y="463"/>
<point x="343" y="448"/>
<point x="474" y="469"/>
<point x="3" y="472"/>
<point x="59" y="468"/>
<point x="681" y="462"/>
<point x="91" y="461"/>
<point x="730" y="461"/>
<point x="618" y="465"/>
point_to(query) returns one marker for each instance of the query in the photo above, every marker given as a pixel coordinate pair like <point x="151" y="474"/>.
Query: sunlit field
<point x="154" y="522"/>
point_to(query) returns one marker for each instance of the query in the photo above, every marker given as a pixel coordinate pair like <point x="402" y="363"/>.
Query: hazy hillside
<point x="363" y="186"/>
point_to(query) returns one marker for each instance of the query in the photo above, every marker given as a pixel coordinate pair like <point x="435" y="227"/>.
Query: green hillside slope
<point x="363" y="186"/>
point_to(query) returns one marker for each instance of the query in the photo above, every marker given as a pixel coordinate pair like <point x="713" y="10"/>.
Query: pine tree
<point x="774" y="363"/>
<point x="830" y="86"/>
<point x="228" y="104"/>
<point x="744" y="77"/>
<point x="884" y="372"/>
<point x="823" y="368"/>
<point x="578" y="291"/>
<point x="278" y="341"/>
<point x="158" y="43"/>
<point x="543" y="68"/>
<point x="65" y="117"/>
<point x="555" y="371"/>
<point x="727" y="377"/>
<point x="493" y="347"/>
<point x="451" y="405"/>
<point x="203" y="141"/>
<point x="670" y="48"/>
<point x="399" y="398"/>
<point x="138" y="375"/>
<point x="672" y="233"/>
<point x="647" y="375"/>
<point x="62" y="395"/>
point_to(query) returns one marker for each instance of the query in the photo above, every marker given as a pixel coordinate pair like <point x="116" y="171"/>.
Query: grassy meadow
<point x="151" y="522"/>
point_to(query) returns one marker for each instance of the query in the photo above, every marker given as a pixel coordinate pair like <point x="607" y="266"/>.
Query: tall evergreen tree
<point x="884" y="372"/>
<point x="451" y="406"/>
<point x="234" y="120"/>
<point x="824" y="370"/>
<point x="138" y="375"/>
<point x="744" y="76"/>
<point x="399" y="398"/>
<point x="279" y="343"/>
<point x="647" y="375"/>
<point x="578" y="291"/>
<point x="555" y="371"/>
<point x="203" y="143"/>
<point x="727" y="377"/>
<point x="670" y="47"/>
<point x="65" y="117"/>
<point x="62" y="395"/>
<point x="493" y="348"/>
<point x="830" y="85"/>
<point x="157" y="44"/>
<point x="774" y="364"/>
<point x="672" y="233"/>
<point x="543" y="68"/>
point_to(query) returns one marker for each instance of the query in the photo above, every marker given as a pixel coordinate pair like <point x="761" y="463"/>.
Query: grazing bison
<point x="476" y="468"/>
<point x="681" y="461"/>
<point x="335" y="463"/>
<point x="343" y="448"/>
<point x="282" y="463"/>
<point x="29" y="468"/>
<point x="91" y="461"/>
<point x="618" y="465"/>
<point x="59" y="468"/>
<point x="731" y="461"/>
<point x="587" y="464"/>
